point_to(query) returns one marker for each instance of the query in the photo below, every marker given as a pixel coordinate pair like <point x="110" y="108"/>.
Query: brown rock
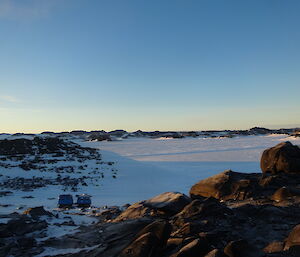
<point x="226" y="185"/>
<point x="241" y="248"/>
<point x="36" y="212"/>
<point x="293" y="238"/>
<point x="197" y="247"/>
<point x="161" y="229"/>
<point x="170" y="202"/>
<point x="215" y="253"/>
<point x="274" y="247"/>
<point x="144" y="246"/>
<point x="281" y="194"/>
<point x="284" y="157"/>
<point x="134" y="211"/>
<point x="207" y="208"/>
<point x="173" y="243"/>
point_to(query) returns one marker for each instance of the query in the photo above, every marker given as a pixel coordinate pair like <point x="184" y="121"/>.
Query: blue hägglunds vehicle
<point x="84" y="200"/>
<point x="65" y="201"/>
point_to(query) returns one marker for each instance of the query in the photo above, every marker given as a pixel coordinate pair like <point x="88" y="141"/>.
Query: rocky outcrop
<point x="169" y="202"/>
<point x="284" y="157"/>
<point x="162" y="205"/>
<point x="150" y="241"/>
<point x="241" y="248"/>
<point x="230" y="185"/>
<point x="226" y="185"/>
<point x="293" y="239"/>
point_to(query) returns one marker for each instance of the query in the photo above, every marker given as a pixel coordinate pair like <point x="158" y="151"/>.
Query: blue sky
<point x="159" y="64"/>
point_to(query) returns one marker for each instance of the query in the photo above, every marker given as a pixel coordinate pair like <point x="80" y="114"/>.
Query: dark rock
<point x="100" y="137"/>
<point x="294" y="251"/>
<point x="199" y="209"/>
<point x="197" y="247"/>
<point x="109" y="214"/>
<point x="5" y="193"/>
<point x="259" y="131"/>
<point x="274" y="247"/>
<point x="293" y="238"/>
<point x="281" y="194"/>
<point x="144" y="246"/>
<point x="115" y="237"/>
<point x="161" y="229"/>
<point x="36" y="212"/>
<point x="215" y="253"/>
<point x="285" y="193"/>
<point x="241" y="248"/>
<point x="150" y="240"/>
<point x="26" y="242"/>
<point x="165" y="204"/>
<point x="185" y="229"/>
<point x="174" y="243"/>
<point x="284" y="157"/>
<point x="169" y="202"/>
<point x="20" y="226"/>
<point x="227" y="185"/>
<point x="135" y="211"/>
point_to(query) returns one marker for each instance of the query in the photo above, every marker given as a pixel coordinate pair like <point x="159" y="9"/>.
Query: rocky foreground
<point x="231" y="215"/>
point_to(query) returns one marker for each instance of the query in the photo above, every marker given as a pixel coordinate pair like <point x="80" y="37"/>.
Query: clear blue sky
<point x="159" y="64"/>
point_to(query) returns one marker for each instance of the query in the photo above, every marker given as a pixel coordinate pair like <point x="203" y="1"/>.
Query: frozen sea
<point x="147" y="167"/>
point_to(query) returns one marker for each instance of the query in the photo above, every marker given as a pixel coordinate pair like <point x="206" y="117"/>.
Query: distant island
<point x="101" y="135"/>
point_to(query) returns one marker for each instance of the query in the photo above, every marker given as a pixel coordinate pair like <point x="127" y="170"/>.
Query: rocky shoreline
<point x="230" y="214"/>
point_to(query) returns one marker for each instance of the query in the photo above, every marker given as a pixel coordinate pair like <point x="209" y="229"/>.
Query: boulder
<point x="281" y="194"/>
<point x="173" y="243"/>
<point x="227" y="185"/>
<point x="170" y="202"/>
<point x="149" y="241"/>
<point x="284" y="157"/>
<point x="197" y="247"/>
<point x="200" y="216"/>
<point x="161" y="229"/>
<point x="293" y="238"/>
<point x="134" y="211"/>
<point x="197" y="210"/>
<point x="144" y="246"/>
<point x="36" y="212"/>
<point x="115" y="237"/>
<point x="274" y="247"/>
<point x="20" y="227"/>
<point x="165" y="204"/>
<point x="187" y="229"/>
<point x="241" y="248"/>
<point x="215" y="253"/>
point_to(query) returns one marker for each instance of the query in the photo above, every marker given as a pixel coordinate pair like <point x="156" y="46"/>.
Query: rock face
<point x="241" y="248"/>
<point x="171" y="202"/>
<point x="150" y="241"/>
<point x="284" y="157"/>
<point x="293" y="238"/>
<point x="226" y="185"/>
<point x="162" y="205"/>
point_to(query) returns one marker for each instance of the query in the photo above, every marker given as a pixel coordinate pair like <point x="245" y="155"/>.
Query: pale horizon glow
<point x="158" y="65"/>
